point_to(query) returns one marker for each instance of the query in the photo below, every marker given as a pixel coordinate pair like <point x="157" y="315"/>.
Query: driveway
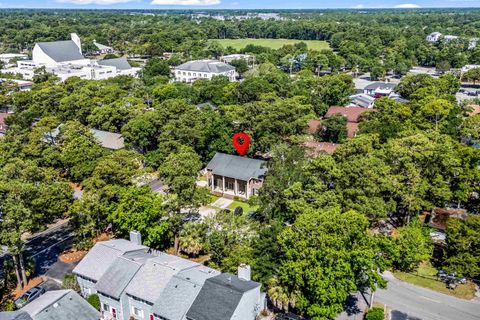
<point x="222" y="203"/>
<point x="45" y="247"/>
<point x="409" y="302"/>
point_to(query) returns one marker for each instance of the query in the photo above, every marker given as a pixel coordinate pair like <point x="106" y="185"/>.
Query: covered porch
<point x="228" y="186"/>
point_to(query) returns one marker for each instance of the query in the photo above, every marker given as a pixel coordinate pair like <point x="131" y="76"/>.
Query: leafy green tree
<point x="462" y="250"/>
<point x="325" y="256"/>
<point x="333" y="129"/>
<point x="180" y="171"/>
<point x="331" y="90"/>
<point x="79" y="149"/>
<point x="140" y="209"/>
<point x="414" y="246"/>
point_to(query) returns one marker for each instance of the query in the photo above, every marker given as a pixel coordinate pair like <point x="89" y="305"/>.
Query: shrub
<point x="375" y="314"/>
<point x="70" y="282"/>
<point x="94" y="300"/>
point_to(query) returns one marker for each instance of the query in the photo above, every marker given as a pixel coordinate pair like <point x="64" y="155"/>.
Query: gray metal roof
<point x="237" y="167"/>
<point x="212" y="66"/>
<point x="61" y="51"/>
<point x="219" y="297"/>
<point x="152" y="278"/>
<point x="119" y="63"/>
<point x="109" y="140"/>
<point x="102" y="255"/>
<point x="101" y="46"/>
<point x="117" y="277"/>
<point x="382" y="85"/>
<point x="362" y="100"/>
<point x="61" y="304"/>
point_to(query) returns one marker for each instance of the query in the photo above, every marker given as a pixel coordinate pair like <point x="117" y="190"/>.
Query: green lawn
<point x="271" y="43"/>
<point x="425" y="277"/>
<point x="245" y="206"/>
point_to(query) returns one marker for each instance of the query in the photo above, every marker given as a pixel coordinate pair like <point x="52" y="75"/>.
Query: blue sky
<point x="233" y="4"/>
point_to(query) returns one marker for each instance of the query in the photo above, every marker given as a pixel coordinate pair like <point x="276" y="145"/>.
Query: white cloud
<point x="185" y="2"/>
<point x="99" y="2"/>
<point x="407" y="6"/>
<point x="359" y="6"/>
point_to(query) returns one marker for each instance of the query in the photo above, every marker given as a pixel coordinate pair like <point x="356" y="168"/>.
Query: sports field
<point x="271" y="43"/>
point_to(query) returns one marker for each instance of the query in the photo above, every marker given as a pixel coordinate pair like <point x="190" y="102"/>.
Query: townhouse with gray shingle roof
<point x="55" y="305"/>
<point x="136" y="282"/>
<point x="204" y="69"/>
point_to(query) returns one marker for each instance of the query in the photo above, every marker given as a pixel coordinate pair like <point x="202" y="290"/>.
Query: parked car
<point x="289" y="316"/>
<point x="29" y="296"/>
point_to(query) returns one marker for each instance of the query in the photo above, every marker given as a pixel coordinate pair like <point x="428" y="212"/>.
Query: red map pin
<point x="241" y="148"/>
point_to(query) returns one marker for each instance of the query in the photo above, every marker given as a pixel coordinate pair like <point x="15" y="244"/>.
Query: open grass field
<point x="271" y="43"/>
<point x="425" y="277"/>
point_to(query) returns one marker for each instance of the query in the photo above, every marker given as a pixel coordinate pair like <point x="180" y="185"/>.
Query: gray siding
<point x="142" y="305"/>
<point x="113" y="304"/>
<point x="87" y="287"/>
<point x="249" y="306"/>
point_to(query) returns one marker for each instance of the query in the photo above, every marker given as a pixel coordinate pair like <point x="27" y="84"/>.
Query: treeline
<point x="367" y="41"/>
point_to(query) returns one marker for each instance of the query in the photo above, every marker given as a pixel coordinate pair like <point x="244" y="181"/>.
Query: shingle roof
<point x="176" y="299"/>
<point x="102" y="255"/>
<point x="212" y="66"/>
<point x="109" y="140"/>
<point x="351" y="113"/>
<point x="119" y="63"/>
<point x="61" y="304"/>
<point x="237" y="167"/>
<point x="219" y="297"/>
<point x="117" y="277"/>
<point x="61" y="51"/>
<point x="15" y="315"/>
<point x="152" y="278"/>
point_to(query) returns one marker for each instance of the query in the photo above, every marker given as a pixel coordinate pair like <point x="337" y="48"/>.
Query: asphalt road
<point x="409" y="302"/>
<point x="45" y="247"/>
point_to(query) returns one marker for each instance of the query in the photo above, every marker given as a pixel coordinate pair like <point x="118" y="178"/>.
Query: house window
<point x="137" y="312"/>
<point x="105" y="307"/>
<point x="184" y="73"/>
<point x="194" y="74"/>
<point x="205" y="75"/>
<point x="114" y="313"/>
<point x="230" y="185"/>
<point x="189" y="73"/>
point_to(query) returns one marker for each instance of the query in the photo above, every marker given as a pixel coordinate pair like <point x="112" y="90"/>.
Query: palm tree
<point x="192" y="238"/>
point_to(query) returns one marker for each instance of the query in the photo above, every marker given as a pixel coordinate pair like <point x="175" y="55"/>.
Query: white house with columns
<point x="234" y="176"/>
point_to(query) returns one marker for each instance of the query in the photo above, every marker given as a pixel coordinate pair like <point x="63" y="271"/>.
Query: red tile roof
<point x="351" y="113"/>
<point x="352" y="128"/>
<point x="313" y="125"/>
<point x="316" y="147"/>
<point x="475" y="110"/>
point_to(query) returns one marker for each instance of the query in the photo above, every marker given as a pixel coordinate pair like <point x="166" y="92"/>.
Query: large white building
<point x="434" y="37"/>
<point x="204" y="69"/>
<point x="65" y="60"/>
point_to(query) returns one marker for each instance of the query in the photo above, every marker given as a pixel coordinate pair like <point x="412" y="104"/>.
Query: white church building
<point x="65" y="60"/>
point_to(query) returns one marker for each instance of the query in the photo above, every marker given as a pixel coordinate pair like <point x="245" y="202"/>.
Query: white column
<point x="213" y="182"/>
<point x="235" y="187"/>
<point x="247" y="186"/>
<point x="223" y="184"/>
